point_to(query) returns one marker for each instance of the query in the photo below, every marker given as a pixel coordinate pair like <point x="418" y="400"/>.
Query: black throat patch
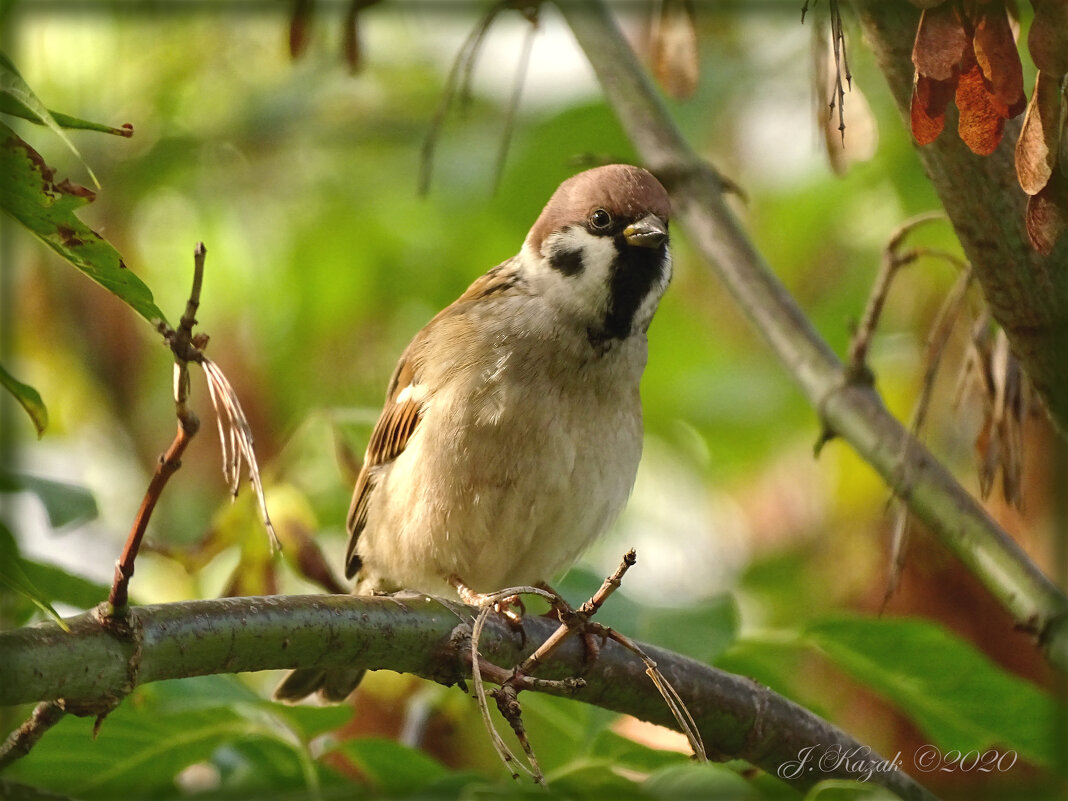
<point x="634" y="273"/>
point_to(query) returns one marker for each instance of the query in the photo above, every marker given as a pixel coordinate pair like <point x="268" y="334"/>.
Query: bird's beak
<point x="648" y="232"/>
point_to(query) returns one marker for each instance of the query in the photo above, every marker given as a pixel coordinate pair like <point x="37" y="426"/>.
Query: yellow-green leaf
<point x="28" y="398"/>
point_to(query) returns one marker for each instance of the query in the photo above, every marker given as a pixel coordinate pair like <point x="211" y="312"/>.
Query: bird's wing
<point x="407" y="399"/>
<point x="389" y="437"/>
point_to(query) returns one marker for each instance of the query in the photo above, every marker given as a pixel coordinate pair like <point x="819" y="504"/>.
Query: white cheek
<point x="585" y="293"/>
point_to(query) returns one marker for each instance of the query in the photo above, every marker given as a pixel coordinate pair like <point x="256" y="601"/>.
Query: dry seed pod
<point x="1036" y="149"/>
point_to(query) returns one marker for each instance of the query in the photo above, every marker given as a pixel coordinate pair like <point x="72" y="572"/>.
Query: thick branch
<point x="1027" y="292"/>
<point x="413" y="634"/>
<point x="849" y="410"/>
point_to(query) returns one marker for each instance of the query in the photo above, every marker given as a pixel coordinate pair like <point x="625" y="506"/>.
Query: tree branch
<point x="848" y="409"/>
<point x="737" y="718"/>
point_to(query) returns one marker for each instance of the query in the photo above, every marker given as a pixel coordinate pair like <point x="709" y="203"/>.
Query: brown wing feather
<point x="391" y="433"/>
<point x="399" y="421"/>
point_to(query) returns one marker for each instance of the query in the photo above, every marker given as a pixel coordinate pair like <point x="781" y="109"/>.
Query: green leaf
<point x="13" y="576"/>
<point x="145" y="743"/>
<point x="15" y="107"/>
<point x="393" y="768"/>
<point x="14" y="87"/>
<point x="311" y="721"/>
<point x="29" y="193"/>
<point x="624" y="752"/>
<point x="28" y="398"/>
<point x="838" y="790"/>
<point x="955" y="694"/>
<point x="59" y="586"/>
<point x="708" y="780"/>
<point x="65" y="504"/>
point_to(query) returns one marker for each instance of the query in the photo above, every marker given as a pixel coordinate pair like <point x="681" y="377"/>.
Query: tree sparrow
<point x="512" y="427"/>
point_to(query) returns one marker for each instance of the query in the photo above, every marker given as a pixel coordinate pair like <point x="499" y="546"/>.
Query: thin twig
<point x="840" y="62"/>
<point x="937" y="340"/>
<point x="21" y="741"/>
<point x="457" y="85"/>
<point x="510" y="760"/>
<point x="167" y="466"/>
<point x="571" y="620"/>
<point x="667" y="691"/>
<point x="892" y="260"/>
<point x="185" y="348"/>
<point x="513" y="103"/>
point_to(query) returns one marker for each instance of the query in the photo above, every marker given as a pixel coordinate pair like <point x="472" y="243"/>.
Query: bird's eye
<point x="600" y="220"/>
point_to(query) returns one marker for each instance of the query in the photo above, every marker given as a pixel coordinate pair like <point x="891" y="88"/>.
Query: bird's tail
<point x="334" y="685"/>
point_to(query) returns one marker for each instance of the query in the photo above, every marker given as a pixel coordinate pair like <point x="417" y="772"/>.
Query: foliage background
<point x="322" y="262"/>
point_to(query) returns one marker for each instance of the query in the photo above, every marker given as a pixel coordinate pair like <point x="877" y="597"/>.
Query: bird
<point x="512" y="426"/>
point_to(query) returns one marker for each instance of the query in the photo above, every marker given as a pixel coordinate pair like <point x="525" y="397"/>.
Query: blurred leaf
<point x="59" y="586"/>
<point x="592" y="779"/>
<point x="13" y="576"/>
<point x="708" y="780"/>
<point x="145" y="743"/>
<point x="21" y="96"/>
<point x="30" y="195"/>
<point x="393" y="768"/>
<point x="701" y="631"/>
<point x="674" y="49"/>
<point x="838" y="790"/>
<point x="28" y="398"/>
<point x="65" y="504"/>
<point x="311" y="721"/>
<point x="623" y="752"/>
<point x="16" y="108"/>
<point x="11" y="791"/>
<point x="954" y="693"/>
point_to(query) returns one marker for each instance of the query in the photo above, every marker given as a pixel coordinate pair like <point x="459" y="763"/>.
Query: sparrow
<point x="512" y="425"/>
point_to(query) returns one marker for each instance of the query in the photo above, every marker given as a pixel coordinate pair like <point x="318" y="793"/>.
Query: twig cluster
<point x="520" y="677"/>
<point x="896" y="257"/>
<point x="458" y="86"/>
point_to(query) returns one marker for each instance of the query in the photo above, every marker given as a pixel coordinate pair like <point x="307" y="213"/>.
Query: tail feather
<point x="333" y="685"/>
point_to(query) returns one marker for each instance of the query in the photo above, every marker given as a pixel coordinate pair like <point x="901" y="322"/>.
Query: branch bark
<point x="91" y="665"/>
<point x="847" y="408"/>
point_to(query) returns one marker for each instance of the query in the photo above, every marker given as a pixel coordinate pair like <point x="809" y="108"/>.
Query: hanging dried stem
<point x="893" y="260"/>
<point x="457" y="89"/>
<point x="841" y="66"/>
<point x="937" y="340"/>
<point x="517" y="94"/>
<point x="235" y="438"/>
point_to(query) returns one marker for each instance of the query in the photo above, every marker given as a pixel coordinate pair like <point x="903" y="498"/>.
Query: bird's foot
<point x="510" y="606"/>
